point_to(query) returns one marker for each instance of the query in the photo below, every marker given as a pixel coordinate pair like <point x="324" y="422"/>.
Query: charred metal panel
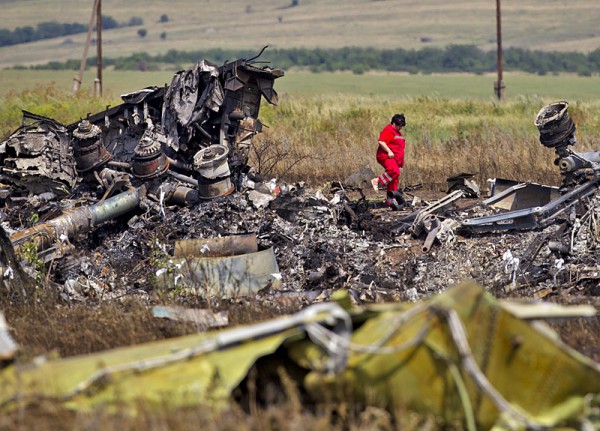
<point x="37" y="157"/>
<point x="524" y="195"/>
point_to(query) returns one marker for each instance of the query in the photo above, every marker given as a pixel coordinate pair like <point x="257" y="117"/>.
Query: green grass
<point x="392" y="85"/>
<point x="202" y="24"/>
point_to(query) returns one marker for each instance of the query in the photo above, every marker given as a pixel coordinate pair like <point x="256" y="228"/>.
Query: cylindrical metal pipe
<point x="184" y="178"/>
<point x="578" y="161"/>
<point x="115" y="206"/>
<point x="184" y="196"/>
<point x="78" y="220"/>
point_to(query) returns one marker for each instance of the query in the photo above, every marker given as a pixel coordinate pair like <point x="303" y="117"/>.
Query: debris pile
<point x="163" y="167"/>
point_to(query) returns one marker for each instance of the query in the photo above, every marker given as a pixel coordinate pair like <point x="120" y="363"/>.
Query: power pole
<point x="499" y="85"/>
<point x="98" y="81"/>
<point x="77" y="80"/>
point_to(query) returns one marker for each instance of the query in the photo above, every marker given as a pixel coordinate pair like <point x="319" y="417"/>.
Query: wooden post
<point x="499" y="85"/>
<point x="99" y="48"/>
<point x="79" y="79"/>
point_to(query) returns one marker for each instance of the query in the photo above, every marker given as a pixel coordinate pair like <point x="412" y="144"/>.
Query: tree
<point x="163" y="35"/>
<point x="135" y="20"/>
<point x="164" y="18"/>
<point x="108" y="22"/>
<point x="142" y="32"/>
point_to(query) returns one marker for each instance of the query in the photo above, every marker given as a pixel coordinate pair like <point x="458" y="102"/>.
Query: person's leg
<point x="390" y="177"/>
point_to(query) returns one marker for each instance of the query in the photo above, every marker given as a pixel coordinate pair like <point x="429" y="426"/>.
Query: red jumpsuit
<point x="396" y="143"/>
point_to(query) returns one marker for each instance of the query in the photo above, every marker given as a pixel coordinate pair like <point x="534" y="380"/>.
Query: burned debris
<point x="37" y="160"/>
<point x="187" y="145"/>
<point x="162" y="146"/>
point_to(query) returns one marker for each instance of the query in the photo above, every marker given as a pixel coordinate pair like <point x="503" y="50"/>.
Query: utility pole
<point x="499" y="85"/>
<point x="98" y="81"/>
<point x="77" y="80"/>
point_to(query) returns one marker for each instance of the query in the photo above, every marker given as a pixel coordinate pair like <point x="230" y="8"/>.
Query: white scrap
<point x="511" y="264"/>
<point x="8" y="273"/>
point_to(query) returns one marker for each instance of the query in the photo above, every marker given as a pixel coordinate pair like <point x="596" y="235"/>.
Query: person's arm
<point x="385" y="148"/>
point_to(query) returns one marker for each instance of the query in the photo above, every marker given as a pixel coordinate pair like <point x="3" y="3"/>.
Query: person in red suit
<point x="390" y="155"/>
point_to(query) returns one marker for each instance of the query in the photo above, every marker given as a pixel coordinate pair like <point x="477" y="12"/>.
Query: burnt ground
<point x="324" y="239"/>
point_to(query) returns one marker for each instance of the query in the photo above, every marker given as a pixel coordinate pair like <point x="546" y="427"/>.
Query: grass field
<point x="392" y="85"/>
<point x="202" y="24"/>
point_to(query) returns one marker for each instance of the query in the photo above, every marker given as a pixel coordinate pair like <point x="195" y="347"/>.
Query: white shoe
<point x="375" y="183"/>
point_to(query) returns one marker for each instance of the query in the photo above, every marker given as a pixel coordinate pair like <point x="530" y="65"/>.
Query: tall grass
<point x="50" y="101"/>
<point x="337" y="135"/>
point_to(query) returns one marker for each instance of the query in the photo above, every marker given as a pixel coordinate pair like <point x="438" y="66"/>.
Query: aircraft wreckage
<point x="187" y="144"/>
<point x="178" y="144"/>
<point x="461" y="355"/>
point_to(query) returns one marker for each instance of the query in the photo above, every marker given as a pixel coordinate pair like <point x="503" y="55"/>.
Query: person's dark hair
<point x="399" y="120"/>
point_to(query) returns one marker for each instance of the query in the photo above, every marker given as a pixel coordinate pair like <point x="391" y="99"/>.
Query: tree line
<point x="51" y="29"/>
<point x="453" y="58"/>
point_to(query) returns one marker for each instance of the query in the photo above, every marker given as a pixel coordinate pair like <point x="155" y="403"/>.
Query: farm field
<point x="411" y="24"/>
<point x="392" y="85"/>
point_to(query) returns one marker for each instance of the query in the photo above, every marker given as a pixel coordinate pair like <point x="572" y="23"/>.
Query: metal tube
<point x="76" y="221"/>
<point x="115" y="206"/>
<point x="184" y="178"/>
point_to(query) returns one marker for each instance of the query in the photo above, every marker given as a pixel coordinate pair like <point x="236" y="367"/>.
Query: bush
<point x="135" y="21"/>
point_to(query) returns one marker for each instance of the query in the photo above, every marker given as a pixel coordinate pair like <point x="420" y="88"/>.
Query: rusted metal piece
<point x="88" y="147"/>
<point x="215" y="189"/>
<point x="184" y="196"/>
<point x="149" y="160"/>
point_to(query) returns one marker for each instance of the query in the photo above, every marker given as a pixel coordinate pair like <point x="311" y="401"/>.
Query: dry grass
<point x="336" y="135"/>
<point x="285" y="416"/>
<point x="205" y="24"/>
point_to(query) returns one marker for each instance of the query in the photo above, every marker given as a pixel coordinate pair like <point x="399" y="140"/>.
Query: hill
<point x="551" y="25"/>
